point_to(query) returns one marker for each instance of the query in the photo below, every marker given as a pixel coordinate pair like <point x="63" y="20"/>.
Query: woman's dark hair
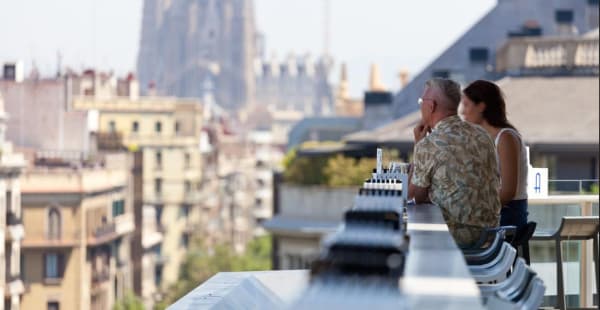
<point x="495" y="108"/>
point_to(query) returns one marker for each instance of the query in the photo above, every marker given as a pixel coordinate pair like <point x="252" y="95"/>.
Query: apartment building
<point x="268" y="159"/>
<point x="78" y="223"/>
<point x="11" y="225"/>
<point x="166" y="133"/>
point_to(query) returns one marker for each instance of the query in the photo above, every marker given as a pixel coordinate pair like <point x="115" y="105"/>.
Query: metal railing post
<point x="586" y="278"/>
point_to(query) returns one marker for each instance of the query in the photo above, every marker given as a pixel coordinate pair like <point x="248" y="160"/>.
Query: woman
<point x="483" y="104"/>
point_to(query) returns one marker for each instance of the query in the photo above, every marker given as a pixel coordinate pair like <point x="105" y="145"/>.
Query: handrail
<point x="577" y="181"/>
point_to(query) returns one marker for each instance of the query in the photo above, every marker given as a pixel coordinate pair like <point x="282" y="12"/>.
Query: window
<point x="118" y="207"/>
<point x="9" y="204"/>
<point x="563" y="16"/>
<point x="22" y="268"/>
<point x="157" y="275"/>
<point x="478" y="55"/>
<point x="135" y="127"/>
<point x="177" y="127"/>
<point x="158" y="186"/>
<point x="187" y="186"/>
<point x="53" y="266"/>
<point x="158" y="159"/>
<point x="187" y="160"/>
<point x="443" y="74"/>
<point x="54" y="224"/>
<point x="158" y="214"/>
<point x="184" y="210"/>
<point x="184" y="241"/>
<point x="53" y="305"/>
<point x="158" y="127"/>
<point x="112" y="127"/>
<point x="9" y="72"/>
<point x="593" y="2"/>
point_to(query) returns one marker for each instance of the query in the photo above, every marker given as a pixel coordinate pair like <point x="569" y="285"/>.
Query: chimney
<point x="342" y="91"/>
<point x="13" y="71"/>
<point x="375" y="80"/>
<point x="129" y="87"/>
<point x="133" y="87"/>
<point x="378" y="109"/>
<point x="404" y="75"/>
<point x="152" y="89"/>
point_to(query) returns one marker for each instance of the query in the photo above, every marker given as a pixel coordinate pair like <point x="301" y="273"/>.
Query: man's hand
<point x="420" y="131"/>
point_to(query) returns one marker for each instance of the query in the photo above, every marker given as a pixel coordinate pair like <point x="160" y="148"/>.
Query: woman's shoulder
<point x="508" y="140"/>
<point x="508" y="135"/>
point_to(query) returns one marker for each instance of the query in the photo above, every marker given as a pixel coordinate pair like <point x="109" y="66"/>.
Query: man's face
<point x="427" y="102"/>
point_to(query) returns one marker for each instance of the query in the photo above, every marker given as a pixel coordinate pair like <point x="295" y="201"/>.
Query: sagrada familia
<point x="191" y="47"/>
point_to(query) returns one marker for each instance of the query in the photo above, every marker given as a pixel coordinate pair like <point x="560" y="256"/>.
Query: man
<point x="454" y="164"/>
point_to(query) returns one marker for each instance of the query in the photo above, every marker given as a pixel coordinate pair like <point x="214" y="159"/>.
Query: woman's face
<point x="471" y="112"/>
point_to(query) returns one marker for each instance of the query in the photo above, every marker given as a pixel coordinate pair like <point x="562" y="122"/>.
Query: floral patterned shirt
<point x="457" y="162"/>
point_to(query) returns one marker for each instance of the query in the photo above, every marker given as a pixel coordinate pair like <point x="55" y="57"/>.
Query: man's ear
<point x="433" y="106"/>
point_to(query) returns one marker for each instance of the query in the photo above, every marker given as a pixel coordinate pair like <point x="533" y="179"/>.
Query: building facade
<point x="78" y="222"/>
<point x="166" y="131"/>
<point x="11" y="224"/>
<point x="303" y="216"/>
<point x="39" y="117"/>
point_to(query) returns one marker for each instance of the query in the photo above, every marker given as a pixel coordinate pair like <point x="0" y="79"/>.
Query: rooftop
<point x="550" y="101"/>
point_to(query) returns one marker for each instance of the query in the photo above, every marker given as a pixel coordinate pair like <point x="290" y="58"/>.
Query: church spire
<point x="342" y="91"/>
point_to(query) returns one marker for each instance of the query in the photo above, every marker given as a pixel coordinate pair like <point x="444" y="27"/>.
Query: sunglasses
<point x="421" y="100"/>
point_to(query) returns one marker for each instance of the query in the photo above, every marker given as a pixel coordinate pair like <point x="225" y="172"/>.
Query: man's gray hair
<point x="447" y="88"/>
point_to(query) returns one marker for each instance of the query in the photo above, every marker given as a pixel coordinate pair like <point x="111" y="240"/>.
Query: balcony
<point x="99" y="278"/>
<point x="11" y="161"/>
<point x="39" y="238"/>
<point x="191" y="228"/>
<point x="161" y="259"/>
<point x="152" y="231"/>
<point x="160" y="140"/>
<point x="111" y="141"/>
<point x="121" y="225"/>
<point x="154" y="198"/>
<point x="14" y="286"/>
<point x="194" y="197"/>
<point x="15" y="228"/>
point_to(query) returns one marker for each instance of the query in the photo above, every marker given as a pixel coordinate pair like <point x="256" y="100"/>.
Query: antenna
<point x="326" y="26"/>
<point x="58" y="63"/>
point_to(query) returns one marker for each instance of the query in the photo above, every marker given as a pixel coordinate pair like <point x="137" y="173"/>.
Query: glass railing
<point x="577" y="257"/>
<point x="573" y="187"/>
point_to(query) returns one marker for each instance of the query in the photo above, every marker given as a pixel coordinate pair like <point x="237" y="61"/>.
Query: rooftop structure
<point x="473" y="55"/>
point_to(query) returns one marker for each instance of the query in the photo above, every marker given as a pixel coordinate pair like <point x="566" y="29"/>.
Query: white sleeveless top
<point x="521" y="192"/>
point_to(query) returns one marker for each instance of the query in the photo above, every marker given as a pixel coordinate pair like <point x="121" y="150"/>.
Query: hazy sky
<point x="394" y="34"/>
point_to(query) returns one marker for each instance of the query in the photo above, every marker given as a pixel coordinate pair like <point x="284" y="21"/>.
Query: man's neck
<point x="438" y="118"/>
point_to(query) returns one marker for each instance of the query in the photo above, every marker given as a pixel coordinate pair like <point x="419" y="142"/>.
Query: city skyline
<point x="86" y="41"/>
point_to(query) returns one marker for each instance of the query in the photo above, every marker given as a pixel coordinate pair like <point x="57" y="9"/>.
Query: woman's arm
<point x="508" y="155"/>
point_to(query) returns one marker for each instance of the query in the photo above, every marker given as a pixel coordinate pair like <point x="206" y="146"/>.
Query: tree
<point x="331" y="170"/>
<point x="129" y="302"/>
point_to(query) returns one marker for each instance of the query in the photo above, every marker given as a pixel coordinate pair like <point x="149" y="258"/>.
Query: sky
<point x="394" y="34"/>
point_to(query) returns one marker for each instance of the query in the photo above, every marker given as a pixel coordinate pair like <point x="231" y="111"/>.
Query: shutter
<point x="61" y="264"/>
